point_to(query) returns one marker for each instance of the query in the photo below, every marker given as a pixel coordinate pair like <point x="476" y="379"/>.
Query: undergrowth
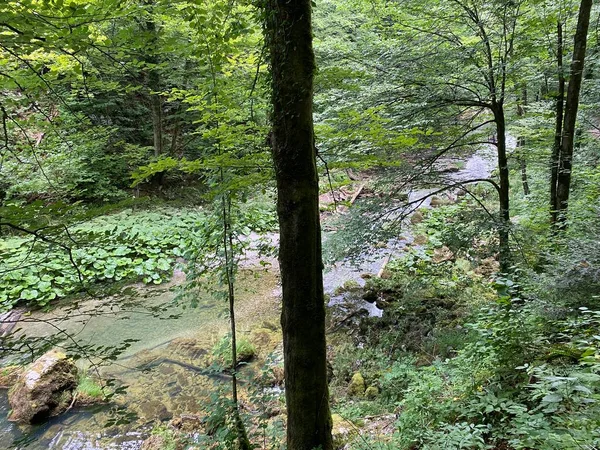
<point x="467" y="359"/>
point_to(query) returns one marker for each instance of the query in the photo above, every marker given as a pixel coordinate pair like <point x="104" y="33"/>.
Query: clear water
<point x="170" y="389"/>
<point x="479" y="165"/>
<point x="168" y="346"/>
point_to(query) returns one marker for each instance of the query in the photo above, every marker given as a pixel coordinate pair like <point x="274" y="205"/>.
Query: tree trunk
<point x="524" y="178"/>
<point x="568" y="137"/>
<point x="560" y="104"/>
<point x="504" y="227"/>
<point x="243" y="443"/>
<point x="288" y="27"/>
<point x="157" y="114"/>
<point x="521" y="144"/>
<point x="154" y="81"/>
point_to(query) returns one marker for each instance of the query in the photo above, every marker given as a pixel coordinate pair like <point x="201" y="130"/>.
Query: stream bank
<point x="170" y="348"/>
<point x="159" y="369"/>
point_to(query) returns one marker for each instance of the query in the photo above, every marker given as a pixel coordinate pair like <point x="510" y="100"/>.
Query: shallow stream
<point x="170" y="346"/>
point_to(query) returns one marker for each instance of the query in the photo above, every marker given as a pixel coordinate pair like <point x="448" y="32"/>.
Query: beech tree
<point x="565" y="159"/>
<point x="288" y="28"/>
<point x="456" y="64"/>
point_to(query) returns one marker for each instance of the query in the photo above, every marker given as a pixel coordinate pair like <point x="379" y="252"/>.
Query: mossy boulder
<point x="187" y="423"/>
<point x="420" y="239"/>
<point x="442" y="254"/>
<point x="9" y="376"/>
<point x="221" y="353"/>
<point x="89" y="392"/>
<point x="371" y="392"/>
<point x="437" y="201"/>
<point x="342" y="431"/>
<point x="357" y="386"/>
<point x="45" y="389"/>
<point x="348" y="286"/>
<point x="487" y="267"/>
<point x="245" y="351"/>
<point x="417" y="217"/>
<point x="265" y="339"/>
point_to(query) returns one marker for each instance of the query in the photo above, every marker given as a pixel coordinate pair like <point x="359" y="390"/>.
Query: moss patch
<point x="9" y="375"/>
<point x="89" y="391"/>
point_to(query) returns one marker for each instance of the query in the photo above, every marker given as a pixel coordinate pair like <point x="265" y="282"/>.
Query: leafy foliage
<point x="126" y="246"/>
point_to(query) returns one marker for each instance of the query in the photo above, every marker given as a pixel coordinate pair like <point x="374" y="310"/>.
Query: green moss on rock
<point x="371" y="392"/>
<point x="357" y="386"/>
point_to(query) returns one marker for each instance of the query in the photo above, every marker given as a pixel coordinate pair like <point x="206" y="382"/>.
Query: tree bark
<point x="521" y="143"/>
<point x="504" y="192"/>
<point x="572" y="104"/>
<point x="560" y="104"/>
<point x="289" y="35"/>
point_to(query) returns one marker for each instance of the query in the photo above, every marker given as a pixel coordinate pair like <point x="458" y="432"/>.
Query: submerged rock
<point x="187" y="423"/>
<point x="187" y="347"/>
<point x="161" y="442"/>
<point x="155" y="410"/>
<point x="348" y="286"/>
<point x="45" y="389"/>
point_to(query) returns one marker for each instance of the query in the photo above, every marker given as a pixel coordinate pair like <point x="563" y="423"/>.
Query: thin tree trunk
<point x="504" y="227"/>
<point x="154" y="82"/>
<point x="157" y="113"/>
<point x="289" y="35"/>
<point x="174" y="138"/>
<point x="153" y="86"/>
<point x="524" y="178"/>
<point x="571" y="106"/>
<point x="521" y="144"/>
<point x="560" y="104"/>
<point x="243" y="443"/>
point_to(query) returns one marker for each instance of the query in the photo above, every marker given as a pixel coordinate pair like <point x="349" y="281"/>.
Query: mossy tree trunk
<point x="288" y="29"/>
<point x="497" y="108"/>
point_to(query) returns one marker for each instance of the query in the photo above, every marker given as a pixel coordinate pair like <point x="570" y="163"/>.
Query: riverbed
<point x="169" y="336"/>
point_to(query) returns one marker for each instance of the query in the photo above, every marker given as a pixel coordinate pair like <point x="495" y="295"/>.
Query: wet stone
<point x="44" y="389"/>
<point x="188" y="423"/>
<point x="187" y="347"/>
<point x="155" y="410"/>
